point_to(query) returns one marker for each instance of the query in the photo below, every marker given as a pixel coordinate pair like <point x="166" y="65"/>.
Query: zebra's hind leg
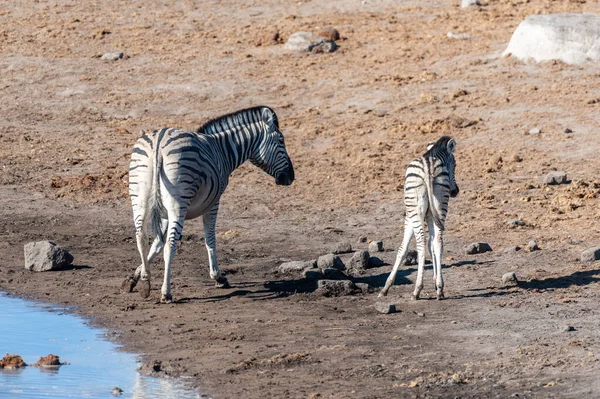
<point x="400" y="258"/>
<point x="438" y="250"/>
<point x="420" y="238"/>
<point x="174" y="230"/>
<point x="431" y="233"/>
<point x="130" y="282"/>
<point x="209" y="219"/>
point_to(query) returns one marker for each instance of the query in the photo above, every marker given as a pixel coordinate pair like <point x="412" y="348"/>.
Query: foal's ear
<point x="430" y="145"/>
<point x="450" y="146"/>
<point x="143" y="132"/>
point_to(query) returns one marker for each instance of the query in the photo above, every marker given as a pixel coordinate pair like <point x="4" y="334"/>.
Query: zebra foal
<point x="429" y="184"/>
<point x="176" y="175"/>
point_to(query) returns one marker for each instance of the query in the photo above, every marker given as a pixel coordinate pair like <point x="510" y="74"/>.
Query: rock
<point x="362" y="239"/>
<point x="330" y="33"/>
<point x="334" y="274"/>
<point x="477" y="248"/>
<point x="567" y="131"/>
<point x="330" y="260"/>
<point x="469" y="3"/>
<point x="323" y="46"/>
<point x="364" y="287"/>
<point x="376" y="246"/>
<point x="48" y="361"/>
<point x="306" y="41"/>
<point x="375" y="262"/>
<point x="515" y="223"/>
<point x="313" y="274"/>
<point x="458" y="36"/>
<point x="296" y="266"/>
<point x="571" y="38"/>
<point x="336" y="288"/>
<point x="12" y="362"/>
<point x="266" y="38"/>
<point x="532" y="246"/>
<point x="45" y="255"/>
<point x="512" y="250"/>
<point x="555" y="177"/>
<point x="535" y="130"/>
<point x="412" y="258"/>
<point x="516" y="158"/>
<point x="116" y="391"/>
<point x="509" y="278"/>
<point x="570" y="328"/>
<point x="385" y="308"/>
<point x="590" y="254"/>
<point x="343" y="248"/>
<point x="112" y="56"/>
<point x="359" y="262"/>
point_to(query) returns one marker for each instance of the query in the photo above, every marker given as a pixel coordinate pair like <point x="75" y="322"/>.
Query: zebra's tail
<point x="430" y="194"/>
<point x="155" y="198"/>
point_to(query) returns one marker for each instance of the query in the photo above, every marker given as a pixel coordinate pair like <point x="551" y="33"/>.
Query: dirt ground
<point x="353" y="119"/>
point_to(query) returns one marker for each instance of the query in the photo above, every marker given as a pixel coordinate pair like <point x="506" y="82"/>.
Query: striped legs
<point x="209" y="219"/>
<point x="400" y="257"/>
<point x="420" y="238"/>
<point x="174" y="230"/>
<point x="436" y="246"/>
<point x="157" y="245"/>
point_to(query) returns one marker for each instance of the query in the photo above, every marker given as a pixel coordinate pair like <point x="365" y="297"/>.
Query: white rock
<point x="535" y="130"/>
<point x="571" y="38"/>
<point x="112" y="56"/>
<point x="468" y="3"/>
<point x="458" y="36"/>
<point x="300" y="41"/>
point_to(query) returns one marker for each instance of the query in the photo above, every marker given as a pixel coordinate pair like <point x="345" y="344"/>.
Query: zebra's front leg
<point x="420" y="238"/>
<point x="209" y="219"/>
<point x="130" y="282"/>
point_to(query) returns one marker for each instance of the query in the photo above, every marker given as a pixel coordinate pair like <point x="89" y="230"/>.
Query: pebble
<point x="509" y="278"/>
<point x="112" y="56"/>
<point x="364" y="287"/>
<point x="385" y="308"/>
<point x="343" y="248"/>
<point x="535" y="130"/>
<point x="412" y="258"/>
<point x="330" y="261"/>
<point x="590" y="254"/>
<point x="515" y="223"/>
<point x="330" y="33"/>
<point x="323" y="46"/>
<point x="512" y="250"/>
<point x="297" y="265"/>
<point x="117" y="391"/>
<point x="555" y="177"/>
<point x="567" y="131"/>
<point x="532" y="246"/>
<point x="359" y="261"/>
<point x="362" y="239"/>
<point x="458" y="36"/>
<point x="570" y="328"/>
<point x="376" y="246"/>
<point x="468" y="3"/>
<point x="477" y="248"/>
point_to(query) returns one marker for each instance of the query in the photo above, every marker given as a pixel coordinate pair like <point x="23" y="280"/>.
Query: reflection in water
<point x="95" y="366"/>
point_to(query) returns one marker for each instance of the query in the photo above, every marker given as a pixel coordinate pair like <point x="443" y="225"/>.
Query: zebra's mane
<point x="236" y="119"/>
<point x="439" y="146"/>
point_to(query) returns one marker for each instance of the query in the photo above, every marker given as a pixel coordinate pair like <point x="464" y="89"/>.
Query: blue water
<point x="95" y="365"/>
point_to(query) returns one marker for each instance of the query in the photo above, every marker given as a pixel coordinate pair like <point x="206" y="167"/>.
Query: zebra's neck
<point x="237" y="143"/>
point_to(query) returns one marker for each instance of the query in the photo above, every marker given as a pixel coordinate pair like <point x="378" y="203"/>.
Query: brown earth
<point x="353" y="119"/>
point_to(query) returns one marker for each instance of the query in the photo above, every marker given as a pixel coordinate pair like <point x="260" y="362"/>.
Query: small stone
<point x="266" y="38"/>
<point x="43" y="256"/>
<point x="362" y="239"/>
<point x="375" y="262"/>
<point x="296" y="266"/>
<point x="330" y="33"/>
<point x="385" y="308"/>
<point x="517" y="158"/>
<point x="477" y="248"/>
<point x="509" y="278"/>
<point x="469" y="3"/>
<point x="512" y="250"/>
<point x="570" y="328"/>
<point x="359" y="262"/>
<point x="116" y="391"/>
<point x="174" y="326"/>
<point x="334" y="274"/>
<point x="532" y="246"/>
<point x="306" y="41"/>
<point x="458" y="36"/>
<point x="343" y="248"/>
<point x="376" y="246"/>
<point x="364" y="287"/>
<point x="313" y="274"/>
<point x="112" y="56"/>
<point x="336" y="288"/>
<point x="567" y="131"/>
<point x="330" y="261"/>
<point x="515" y="223"/>
<point x="535" y="130"/>
<point x="555" y="177"/>
<point x="323" y="46"/>
<point x="453" y="322"/>
<point x="590" y="254"/>
<point x="412" y="258"/>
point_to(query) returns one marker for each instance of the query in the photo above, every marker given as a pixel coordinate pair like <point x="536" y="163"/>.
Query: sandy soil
<point x="353" y="119"/>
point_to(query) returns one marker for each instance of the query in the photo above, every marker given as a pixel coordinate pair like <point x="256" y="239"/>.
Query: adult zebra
<point x="176" y="175"/>
<point x="430" y="182"/>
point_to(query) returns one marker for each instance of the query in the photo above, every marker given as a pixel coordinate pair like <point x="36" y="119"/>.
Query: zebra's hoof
<point x="222" y="282"/>
<point x="144" y="287"/>
<point x="128" y="284"/>
<point x="414" y="297"/>
<point x="382" y="294"/>
<point x="166" y="299"/>
<point x="440" y="296"/>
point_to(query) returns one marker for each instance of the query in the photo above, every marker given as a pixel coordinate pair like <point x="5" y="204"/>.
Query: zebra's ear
<point x="142" y="132"/>
<point x="450" y="146"/>
<point x="430" y="145"/>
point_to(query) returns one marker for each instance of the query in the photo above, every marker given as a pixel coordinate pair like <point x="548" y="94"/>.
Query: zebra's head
<point x="444" y="150"/>
<point x="270" y="154"/>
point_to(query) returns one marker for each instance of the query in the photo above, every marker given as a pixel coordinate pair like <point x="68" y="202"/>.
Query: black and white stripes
<point x="176" y="175"/>
<point x="429" y="184"/>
